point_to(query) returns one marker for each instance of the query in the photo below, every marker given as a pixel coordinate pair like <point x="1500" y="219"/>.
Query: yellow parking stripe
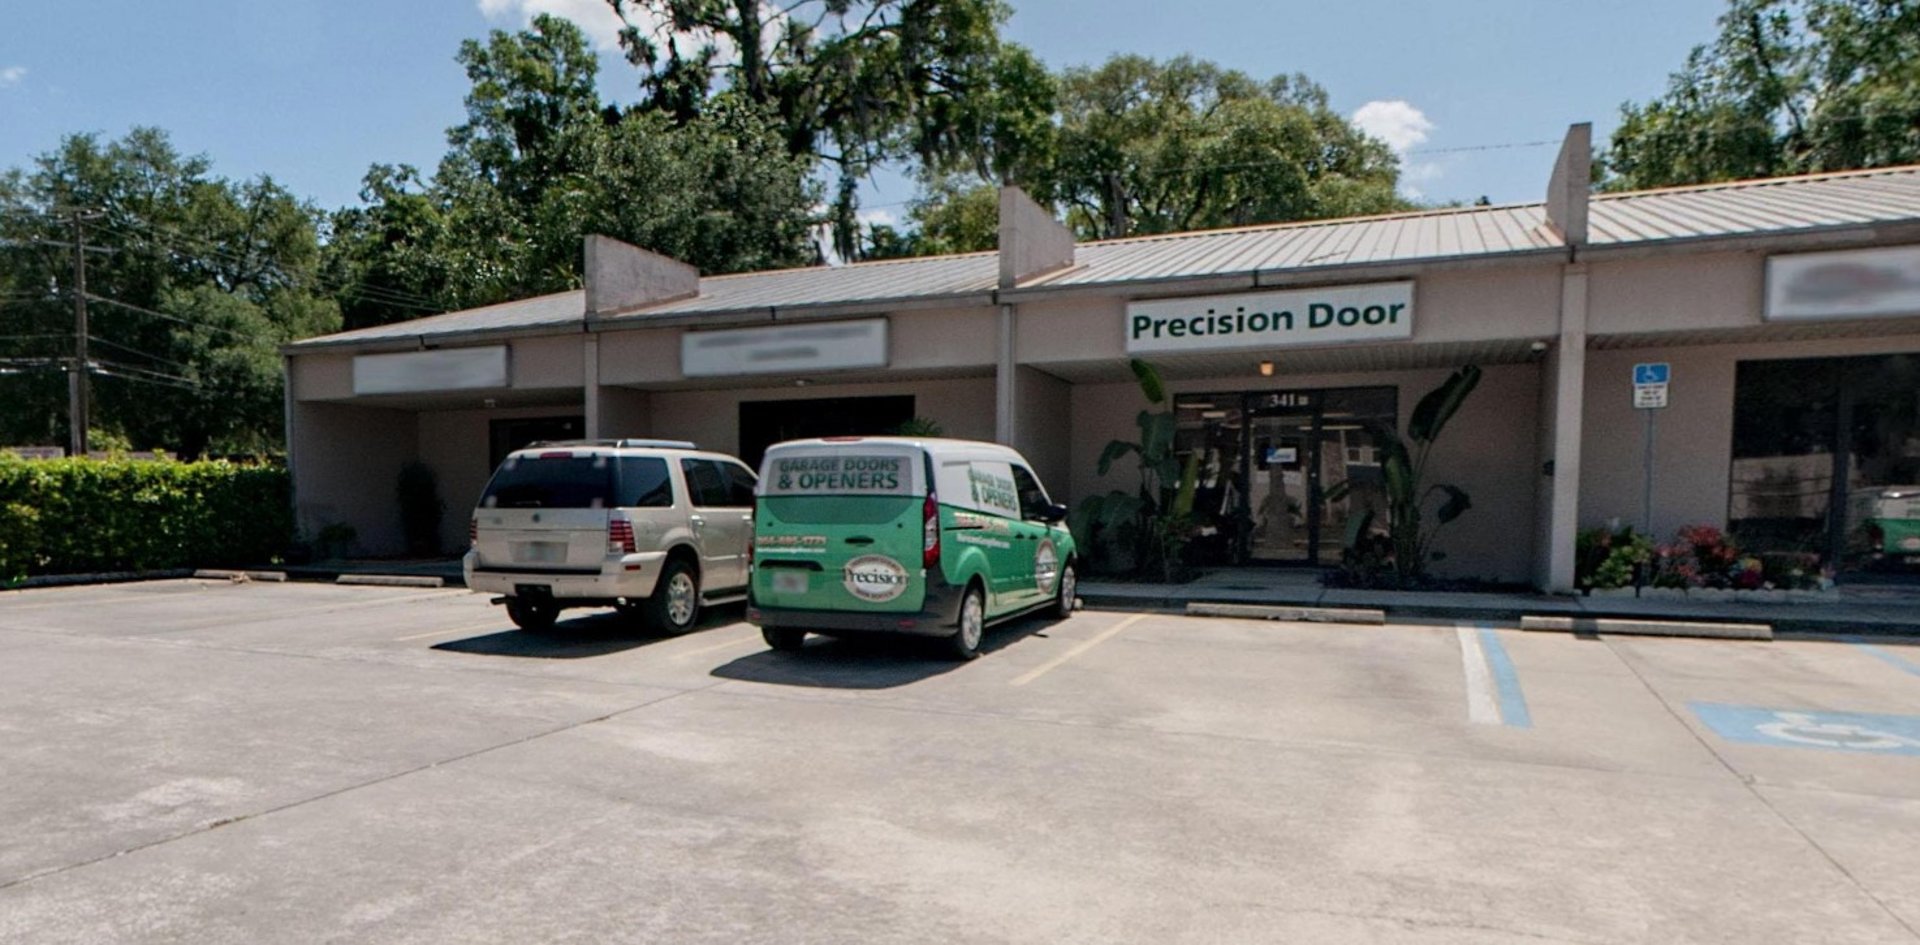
<point x="1102" y="637"/>
<point x="489" y="625"/>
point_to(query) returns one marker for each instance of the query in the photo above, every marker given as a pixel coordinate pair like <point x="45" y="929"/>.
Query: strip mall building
<point x="1787" y="312"/>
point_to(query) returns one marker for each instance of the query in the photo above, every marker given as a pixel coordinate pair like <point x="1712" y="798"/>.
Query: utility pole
<point x="77" y="380"/>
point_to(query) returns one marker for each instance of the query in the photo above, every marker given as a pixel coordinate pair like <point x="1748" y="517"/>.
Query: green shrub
<point x="68" y="516"/>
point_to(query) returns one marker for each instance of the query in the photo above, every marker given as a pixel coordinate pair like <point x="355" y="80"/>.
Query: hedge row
<point x="67" y="516"/>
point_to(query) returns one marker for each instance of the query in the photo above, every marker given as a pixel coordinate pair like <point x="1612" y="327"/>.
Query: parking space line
<point x="1888" y="657"/>
<point x="1473" y="663"/>
<point x="1493" y="685"/>
<point x="1085" y="645"/>
<point x="724" y="645"/>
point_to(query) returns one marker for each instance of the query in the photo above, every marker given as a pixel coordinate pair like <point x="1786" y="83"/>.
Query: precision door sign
<point x="1378" y="311"/>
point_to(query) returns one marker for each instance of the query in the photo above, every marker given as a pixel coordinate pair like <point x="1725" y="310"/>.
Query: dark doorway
<point x="505" y="436"/>
<point x="766" y="422"/>
<point x="1826" y="459"/>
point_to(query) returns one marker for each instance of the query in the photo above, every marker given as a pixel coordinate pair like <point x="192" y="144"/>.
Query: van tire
<point x="531" y="616"/>
<point x="674" y="606"/>
<point x="1069" y="586"/>
<point x="784" y="639"/>
<point x="971" y="626"/>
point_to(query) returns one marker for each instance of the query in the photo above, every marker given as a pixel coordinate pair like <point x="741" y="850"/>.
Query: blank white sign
<point x="412" y="372"/>
<point x="785" y="349"/>
<point x="1860" y="283"/>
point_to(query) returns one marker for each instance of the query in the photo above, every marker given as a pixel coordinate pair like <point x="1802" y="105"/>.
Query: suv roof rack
<point x="623" y="443"/>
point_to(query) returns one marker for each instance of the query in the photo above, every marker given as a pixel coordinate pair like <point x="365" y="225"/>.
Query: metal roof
<point x="542" y="311"/>
<point x="1747" y="208"/>
<point x="1743" y="208"/>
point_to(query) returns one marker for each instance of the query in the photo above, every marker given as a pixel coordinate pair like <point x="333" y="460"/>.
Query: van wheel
<point x="972" y="625"/>
<point x="528" y="615"/>
<point x="1069" y="586"/>
<point x="674" y="606"/>
<point x="784" y="639"/>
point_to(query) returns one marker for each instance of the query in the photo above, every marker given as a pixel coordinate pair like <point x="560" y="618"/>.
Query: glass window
<point x="560" y="482"/>
<point x="740" y="481"/>
<point x="705" y="486"/>
<point x="1033" y="499"/>
<point x="644" y="483"/>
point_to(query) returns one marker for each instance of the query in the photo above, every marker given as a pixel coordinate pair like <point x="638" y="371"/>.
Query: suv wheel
<point x="972" y="625"/>
<point x="675" y="605"/>
<point x="528" y="615"/>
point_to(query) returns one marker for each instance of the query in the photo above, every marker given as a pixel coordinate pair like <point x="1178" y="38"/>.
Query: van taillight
<point x="930" y="522"/>
<point x="620" y="536"/>
<point x="473" y="532"/>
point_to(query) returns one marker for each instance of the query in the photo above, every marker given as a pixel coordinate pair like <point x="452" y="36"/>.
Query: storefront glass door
<point x="1282" y="472"/>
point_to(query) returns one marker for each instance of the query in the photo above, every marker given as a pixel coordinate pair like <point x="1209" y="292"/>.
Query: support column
<point x="590" y="377"/>
<point x="1569" y="404"/>
<point x="1005" y="381"/>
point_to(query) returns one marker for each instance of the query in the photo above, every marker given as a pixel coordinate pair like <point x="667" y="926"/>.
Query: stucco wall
<point x="1669" y="293"/>
<point x="1693" y="445"/>
<point x="1042" y="427"/>
<point x="963" y="407"/>
<point x="346" y="463"/>
<point x="548" y="362"/>
<point x="1488" y="450"/>
<point x="456" y="444"/>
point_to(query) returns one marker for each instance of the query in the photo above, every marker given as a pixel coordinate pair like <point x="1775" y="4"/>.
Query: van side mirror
<point x="1052" y="513"/>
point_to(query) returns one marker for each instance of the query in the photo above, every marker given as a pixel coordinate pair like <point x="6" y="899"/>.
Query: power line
<point x="96" y="339"/>
<point x="172" y="318"/>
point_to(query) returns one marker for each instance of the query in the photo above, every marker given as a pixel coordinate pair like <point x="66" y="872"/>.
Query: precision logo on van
<point x="874" y="578"/>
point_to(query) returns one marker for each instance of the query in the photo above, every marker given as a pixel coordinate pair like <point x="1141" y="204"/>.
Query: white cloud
<point x="594" y="17"/>
<point x="1397" y="123"/>
<point x="1402" y="127"/>
<point x="878" y="218"/>
<point x="12" y="75"/>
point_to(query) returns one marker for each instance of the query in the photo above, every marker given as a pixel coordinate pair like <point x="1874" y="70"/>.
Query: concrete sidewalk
<point x="1877" y="609"/>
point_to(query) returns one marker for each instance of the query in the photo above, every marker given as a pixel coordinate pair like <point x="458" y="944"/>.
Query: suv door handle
<point x="696" y="520"/>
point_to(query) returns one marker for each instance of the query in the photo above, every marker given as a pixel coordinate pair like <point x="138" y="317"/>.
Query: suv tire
<point x="674" y="606"/>
<point x="528" y="615"/>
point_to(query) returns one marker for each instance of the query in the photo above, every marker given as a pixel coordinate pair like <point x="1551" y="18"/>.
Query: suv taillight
<point x="620" y="536"/>
<point x="930" y="523"/>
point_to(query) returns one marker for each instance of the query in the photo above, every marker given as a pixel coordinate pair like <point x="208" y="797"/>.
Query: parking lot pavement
<point x="204" y="762"/>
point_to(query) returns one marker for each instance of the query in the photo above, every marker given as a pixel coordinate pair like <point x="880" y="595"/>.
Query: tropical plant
<point x="1404" y="462"/>
<point x="920" y="426"/>
<point x="1147" y="529"/>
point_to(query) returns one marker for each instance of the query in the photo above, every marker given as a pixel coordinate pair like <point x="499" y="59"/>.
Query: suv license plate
<point x="789" y="581"/>
<point x="540" y="552"/>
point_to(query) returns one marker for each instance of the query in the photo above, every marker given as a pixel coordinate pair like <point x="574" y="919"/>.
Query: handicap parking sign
<point x="1651" y="373"/>
<point x="1864" y="732"/>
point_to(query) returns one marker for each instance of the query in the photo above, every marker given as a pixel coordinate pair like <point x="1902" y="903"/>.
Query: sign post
<point x="1649" y="395"/>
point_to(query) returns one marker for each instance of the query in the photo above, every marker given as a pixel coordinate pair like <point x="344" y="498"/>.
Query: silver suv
<point x="656" y="528"/>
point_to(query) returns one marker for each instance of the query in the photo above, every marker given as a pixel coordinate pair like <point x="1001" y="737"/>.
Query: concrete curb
<point x="390" y="580"/>
<point x="1653" y="628"/>
<point x="1282" y="612"/>
<point x="217" y="574"/>
<point x="105" y="577"/>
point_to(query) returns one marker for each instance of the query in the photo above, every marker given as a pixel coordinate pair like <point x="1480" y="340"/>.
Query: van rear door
<point x="841" y="528"/>
<point x="546" y="512"/>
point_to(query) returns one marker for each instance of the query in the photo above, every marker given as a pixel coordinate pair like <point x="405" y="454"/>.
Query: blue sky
<point x="313" y="91"/>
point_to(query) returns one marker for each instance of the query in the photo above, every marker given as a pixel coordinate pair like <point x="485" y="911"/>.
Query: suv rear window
<point x="534" y="482"/>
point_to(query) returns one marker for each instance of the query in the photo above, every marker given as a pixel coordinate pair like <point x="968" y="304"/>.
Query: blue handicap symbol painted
<point x="1863" y="732"/>
<point x="1650" y="373"/>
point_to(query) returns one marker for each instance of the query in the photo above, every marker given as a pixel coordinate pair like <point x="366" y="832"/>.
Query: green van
<point x="903" y="535"/>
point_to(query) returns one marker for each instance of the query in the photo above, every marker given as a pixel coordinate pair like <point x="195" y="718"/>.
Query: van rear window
<point x="826" y="510"/>
<point x="531" y="482"/>
<point x="839" y="474"/>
